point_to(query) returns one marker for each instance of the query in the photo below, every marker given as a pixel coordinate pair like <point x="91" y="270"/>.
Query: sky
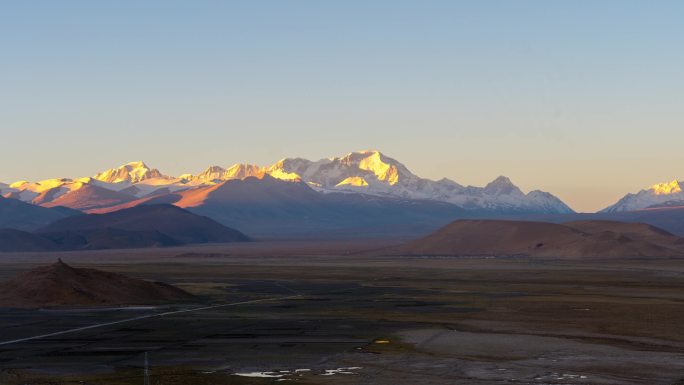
<point x="583" y="99"/>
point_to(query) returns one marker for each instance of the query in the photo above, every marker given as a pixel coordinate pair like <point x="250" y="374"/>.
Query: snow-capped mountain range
<point x="665" y="194"/>
<point x="364" y="172"/>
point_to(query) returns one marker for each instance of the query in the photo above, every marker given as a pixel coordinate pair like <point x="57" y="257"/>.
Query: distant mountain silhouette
<point x="16" y="214"/>
<point x="17" y="240"/>
<point x="108" y="238"/>
<point x="138" y="227"/>
<point x="171" y="221"/>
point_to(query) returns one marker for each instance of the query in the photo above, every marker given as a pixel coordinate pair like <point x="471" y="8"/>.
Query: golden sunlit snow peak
<point x="19" y="184"/>
<point x="383" y="171"/>
<point x="244" y="170"/>
<point x="368" y="172"/>
<point x="286" y="176"/>
<point x="131" y="172"/>
<point x="666" y="188"/>
<point x="355" y="181"/>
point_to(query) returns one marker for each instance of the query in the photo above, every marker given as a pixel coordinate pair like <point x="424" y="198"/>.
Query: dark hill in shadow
<point x="19" y="215"/>
<point x="541" y="239"/>
<point x="137" y="227"/>
<point x="62" y="285"/>
<point x="171" y="221"/>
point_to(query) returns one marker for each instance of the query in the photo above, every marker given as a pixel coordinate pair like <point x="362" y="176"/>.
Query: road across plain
<point x="143" y="317"/>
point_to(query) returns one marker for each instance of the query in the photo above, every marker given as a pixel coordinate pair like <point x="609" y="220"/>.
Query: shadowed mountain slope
<point x="108" y="238"/>
<point x="271" y="208"/>
<point x="16" y="214"/>
<point x="88" y="197"/>
<point x="12" y="240"/>
<point x="168" y="220"/>
<point x="137" y="227"/>
<point x="17" y="240"/>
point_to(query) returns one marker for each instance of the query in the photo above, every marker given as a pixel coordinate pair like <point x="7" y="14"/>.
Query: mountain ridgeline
<point x="365" y="172"/>
<point x="363" y="193"/>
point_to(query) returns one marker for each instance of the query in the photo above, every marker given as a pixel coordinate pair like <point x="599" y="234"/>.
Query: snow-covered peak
<point x="131" y="172"/>
<point x="373" y="167"/>
<point x="383" y="167"/>
<point x="39" y="187"/>
<point x="502" y="186"/>
<point x="666" y="188"/>
<point x="548" y="203"/>
<point x="210" y="175"/>
<point x="50" y="189"/>
<point x="353" y="181"/>
<point x="659" y="194"/>
<point x="136" y="164"/>
<point x="292" y="169"/>
<point x="449" y="182"/>
<point x="217" y="174"/>
<point x="244" y="170"/>
<point x="372" y="172"/>
<point x="19" y="184"/>
<point x="284" y="175"/>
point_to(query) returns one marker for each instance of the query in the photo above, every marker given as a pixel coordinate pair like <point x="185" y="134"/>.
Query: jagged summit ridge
<point x="217" y="174"/>
<point x="368" y="172"/>
<point x="374" y="173"/>
<point x="131" y="172"/>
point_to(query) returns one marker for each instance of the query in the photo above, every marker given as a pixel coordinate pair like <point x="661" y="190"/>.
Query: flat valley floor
<point x="334" y="313"/>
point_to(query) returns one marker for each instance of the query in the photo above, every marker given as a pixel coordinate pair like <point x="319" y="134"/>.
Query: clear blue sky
<point x="580" y="98"/>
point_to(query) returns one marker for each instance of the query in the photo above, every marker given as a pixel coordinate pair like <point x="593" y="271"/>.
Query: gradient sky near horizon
<point x="583" y="99"/>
